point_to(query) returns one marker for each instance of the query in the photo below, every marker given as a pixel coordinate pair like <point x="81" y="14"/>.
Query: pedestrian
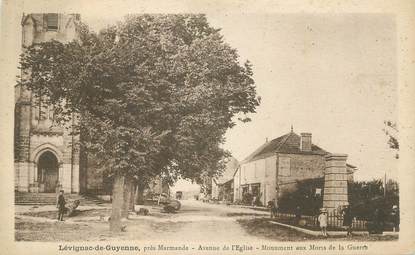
<point x="395" y="218"/>
<point x="273" y="208"/>
<point x="378" y="221"/>
<point x="347" y="219"/>
<point x="61" y="205"/>
<point x="270" y="206"/>
<point x="297" y="215"/>
<point x="322" y="219"/>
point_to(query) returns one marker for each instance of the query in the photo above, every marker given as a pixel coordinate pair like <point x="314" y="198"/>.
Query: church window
<point x="43" y="111"/>
<point x="51" y="113"/>
<point x="36" y="109"/>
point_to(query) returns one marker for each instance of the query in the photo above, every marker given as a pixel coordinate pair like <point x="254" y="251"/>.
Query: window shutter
<point x="52" y="21"/>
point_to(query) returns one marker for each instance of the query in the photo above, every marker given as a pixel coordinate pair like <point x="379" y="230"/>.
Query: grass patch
<point x="261" y="227"/>
<point x="56" y="231"/>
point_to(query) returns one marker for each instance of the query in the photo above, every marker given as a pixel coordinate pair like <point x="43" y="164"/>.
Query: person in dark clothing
<point x="395" y="218"/>
<point x="273" y="207"/>
<point x="347" y="220"/>
<point x="297" y="215"/>
<point x="378" y="221"/>
<point x="61" y="205"/>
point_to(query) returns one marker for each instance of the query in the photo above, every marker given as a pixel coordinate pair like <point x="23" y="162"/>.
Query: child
<point x="322" y="219"/>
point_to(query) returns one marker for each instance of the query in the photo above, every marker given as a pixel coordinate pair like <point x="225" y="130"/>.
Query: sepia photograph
<point x="214" y="132"/>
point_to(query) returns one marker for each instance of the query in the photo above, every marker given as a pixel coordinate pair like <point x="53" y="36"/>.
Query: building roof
<point x="229" y="171"/>
<point x="288" y="143"/>
<point x="37" y="18"/>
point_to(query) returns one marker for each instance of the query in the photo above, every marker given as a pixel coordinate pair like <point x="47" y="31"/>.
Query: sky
<point x="332" y="75"/>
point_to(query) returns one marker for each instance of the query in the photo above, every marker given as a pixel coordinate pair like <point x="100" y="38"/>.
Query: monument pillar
<point x="335" y="181"/>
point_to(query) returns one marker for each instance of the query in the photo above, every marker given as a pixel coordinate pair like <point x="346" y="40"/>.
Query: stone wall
<point x="302" y="167"/>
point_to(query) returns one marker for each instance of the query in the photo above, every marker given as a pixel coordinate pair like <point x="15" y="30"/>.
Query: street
<point x="194" y="222"/>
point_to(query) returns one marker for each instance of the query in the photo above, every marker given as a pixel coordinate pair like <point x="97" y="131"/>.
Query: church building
<point x="46" y="157"/>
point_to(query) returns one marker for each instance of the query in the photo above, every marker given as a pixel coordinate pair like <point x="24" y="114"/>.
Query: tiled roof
<point x="288" y="143"/>
<point x="229" y="171"/>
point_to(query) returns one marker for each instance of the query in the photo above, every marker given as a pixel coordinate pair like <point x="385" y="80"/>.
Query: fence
<point x="334" y="221"/>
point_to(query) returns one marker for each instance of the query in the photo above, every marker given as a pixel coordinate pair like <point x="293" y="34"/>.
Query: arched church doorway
<point x="48" y="172"/>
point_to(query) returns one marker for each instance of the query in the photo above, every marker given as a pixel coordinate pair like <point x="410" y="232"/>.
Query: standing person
<point x="253" y="201"/>
<point x="273" y="208"/>
<point x="378" y="221"/>
<point x="297" y="215"/>
<point x="275" y="202"/>
<point x="395" y="218"/>
<point x="347" y="219"/>
<point x="61" y="205"/>
<point x="322" y="219"/>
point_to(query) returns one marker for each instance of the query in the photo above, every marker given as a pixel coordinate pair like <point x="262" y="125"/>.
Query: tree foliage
<point x="391" y="130"/>
<point x="153" y="95"/>
<point x="366" y="196"/>
<point x="304" y="195"/>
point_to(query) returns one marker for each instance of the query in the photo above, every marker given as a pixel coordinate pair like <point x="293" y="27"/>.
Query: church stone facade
<point x="46" y="155"/>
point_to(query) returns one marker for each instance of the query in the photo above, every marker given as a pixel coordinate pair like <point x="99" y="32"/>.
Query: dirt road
<point x="195" y="222"/>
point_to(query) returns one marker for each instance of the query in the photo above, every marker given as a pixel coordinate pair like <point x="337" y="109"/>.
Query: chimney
<point x="305" y="144"/>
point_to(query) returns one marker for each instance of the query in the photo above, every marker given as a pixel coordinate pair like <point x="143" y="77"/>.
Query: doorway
<point x="48" y="172"/>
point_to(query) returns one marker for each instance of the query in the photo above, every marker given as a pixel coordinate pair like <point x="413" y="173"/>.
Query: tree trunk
<point x="117" y="203"/>
<point x="140" y="195"/>
<point x="127" y="198"/>
<point x="132" y="196"/>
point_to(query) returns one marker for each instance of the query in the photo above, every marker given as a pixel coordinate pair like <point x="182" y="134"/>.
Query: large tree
<point x="152" y="95"/>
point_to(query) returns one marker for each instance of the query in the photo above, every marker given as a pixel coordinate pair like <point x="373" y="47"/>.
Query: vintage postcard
<point x="207" y="127"/>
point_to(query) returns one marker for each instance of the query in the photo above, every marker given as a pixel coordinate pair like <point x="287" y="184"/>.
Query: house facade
<point x="222" y="186"/>
<point x="275" y="168"/>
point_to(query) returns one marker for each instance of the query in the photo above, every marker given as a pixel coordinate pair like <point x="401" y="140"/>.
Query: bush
<point x="247" y="198"/>
<point x="237" y="202"/>
<point x="304" y="196"/>
<point x="257" y="201"/>
<point x="366" y="196"/>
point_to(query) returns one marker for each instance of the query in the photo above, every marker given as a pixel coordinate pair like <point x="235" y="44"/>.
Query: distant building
<point x="157" y="186"/>
<point x="276" y="166"/>
<point x="222" y="187"/>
